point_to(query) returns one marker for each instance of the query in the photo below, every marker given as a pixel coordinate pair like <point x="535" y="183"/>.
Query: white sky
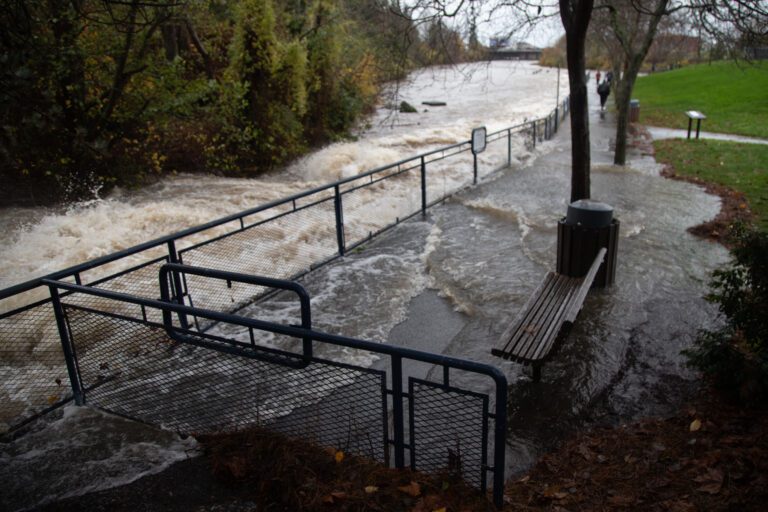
<point x="495" y="21"/>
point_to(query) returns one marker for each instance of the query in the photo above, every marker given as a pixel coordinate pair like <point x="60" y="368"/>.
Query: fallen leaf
<point x="695" y="426"/>
<point x="712" y="480"/>
<point x="412" y="489"/>
<point x="328" y="499"/>
<point x="554" y="492"/>
<point x="339" y="456"/>
<point x="441" y="509"/>
<point x="585" y="452"/>
<point x="621" y="501"/>
<point x="712" y="475"/>
<point x="524" y="479"/>
<point x="339" y="495"/>
<point x="712" y="488"/>
<point x="370" y="489"/>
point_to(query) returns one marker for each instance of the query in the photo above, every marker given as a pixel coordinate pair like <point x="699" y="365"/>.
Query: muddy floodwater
<point x="449" y="283"/>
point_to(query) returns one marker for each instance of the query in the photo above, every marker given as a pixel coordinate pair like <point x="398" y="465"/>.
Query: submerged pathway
<point x="622" y="360"/>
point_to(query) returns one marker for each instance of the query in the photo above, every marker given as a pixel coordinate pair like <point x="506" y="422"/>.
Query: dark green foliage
<point x="736" y="356"/>
<point x="98" y="92"/>
<point x="407" y="108"/>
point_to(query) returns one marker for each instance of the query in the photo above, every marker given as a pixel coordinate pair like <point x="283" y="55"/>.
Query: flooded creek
<point x="451" y="282"/>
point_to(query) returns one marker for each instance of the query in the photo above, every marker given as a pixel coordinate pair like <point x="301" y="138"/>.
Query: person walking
<point x="597" y="78"/>
<point x="604" y="89"/>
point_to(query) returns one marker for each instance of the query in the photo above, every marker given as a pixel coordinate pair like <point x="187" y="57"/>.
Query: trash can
<point x="588" y="227"/>
<point x="634" y="111"/>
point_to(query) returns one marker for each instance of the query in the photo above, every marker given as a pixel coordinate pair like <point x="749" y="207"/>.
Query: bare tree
<point x="575" y="15"/>
<point x="630" y="27"/>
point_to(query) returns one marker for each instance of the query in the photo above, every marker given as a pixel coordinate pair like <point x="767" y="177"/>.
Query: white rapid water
<point x="37" y="241"/>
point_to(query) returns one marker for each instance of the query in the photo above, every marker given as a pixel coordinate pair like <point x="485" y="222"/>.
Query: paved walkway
<point x="671" y="133"/>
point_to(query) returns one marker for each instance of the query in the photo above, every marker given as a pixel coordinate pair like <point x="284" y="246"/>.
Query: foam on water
<point x="82" y="451"/>
<point x="497" y="95"/>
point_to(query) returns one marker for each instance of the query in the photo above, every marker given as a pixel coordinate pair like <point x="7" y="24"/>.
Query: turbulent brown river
<point x="456" y="278"/>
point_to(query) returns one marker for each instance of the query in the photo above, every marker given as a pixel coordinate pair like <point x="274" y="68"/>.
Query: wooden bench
<point x="546" y="319"/>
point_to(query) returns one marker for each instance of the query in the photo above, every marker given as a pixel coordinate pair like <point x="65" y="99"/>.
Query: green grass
<point x="743" y="167"/>
<point x="734" y="97"/>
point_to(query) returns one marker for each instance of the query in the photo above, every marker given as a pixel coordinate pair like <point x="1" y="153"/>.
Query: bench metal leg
<point x="690" y="124"/>
<point x="537" y="372"/>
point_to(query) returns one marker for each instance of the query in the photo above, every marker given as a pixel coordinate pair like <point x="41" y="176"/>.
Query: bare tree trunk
<point x="633" y="60"/>
<point x="623" y="92"/>
<point x="207" y="64"/>
<point x="575" y="15"/>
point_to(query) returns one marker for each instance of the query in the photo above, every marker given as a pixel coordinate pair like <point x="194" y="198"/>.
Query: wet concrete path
<point x="622" y="360"/>
<point x="671" y="133"/>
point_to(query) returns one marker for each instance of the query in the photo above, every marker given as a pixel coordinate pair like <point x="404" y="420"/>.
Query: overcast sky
<point x="494" y="21"/>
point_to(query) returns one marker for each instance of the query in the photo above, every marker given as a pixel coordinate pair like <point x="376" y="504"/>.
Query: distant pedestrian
<point x="609" y="77"/>
<point x="597" y="78"/>
<point x="604" y="89"/>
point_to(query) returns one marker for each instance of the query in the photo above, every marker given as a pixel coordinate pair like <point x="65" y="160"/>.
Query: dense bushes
<point x="736" y="355"/>
<point x="96" y="93"/>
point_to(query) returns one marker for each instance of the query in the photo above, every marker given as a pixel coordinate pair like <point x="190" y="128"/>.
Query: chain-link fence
<point x="194" y="381"/>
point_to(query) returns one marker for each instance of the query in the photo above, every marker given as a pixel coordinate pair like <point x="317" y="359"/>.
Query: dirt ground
<point x="710" y="456"/>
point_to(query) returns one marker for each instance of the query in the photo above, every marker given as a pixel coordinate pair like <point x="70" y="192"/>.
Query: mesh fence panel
<point x="33" y="374"/>
<point x="136" y="370"/>
<point x="445" y="177"/>
<point x="449" y="430"/>
<point x="281" y="247"/>
<point x="371" y="207"/>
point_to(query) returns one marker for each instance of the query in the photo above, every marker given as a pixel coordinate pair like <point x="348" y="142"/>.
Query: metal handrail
<point x="396" y="353"/>
<point x="174" y="270"/>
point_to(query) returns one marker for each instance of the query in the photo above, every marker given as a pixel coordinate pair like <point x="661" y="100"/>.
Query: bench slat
<point x="555" y="328"/>
<point x="547" y="316"/>
<point x="553" y="308"/>
<point x="585" y="286"/>
<point x="525" y="311"/>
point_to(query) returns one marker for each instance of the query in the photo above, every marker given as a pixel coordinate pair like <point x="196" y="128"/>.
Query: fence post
<point x="499" y="441"/>
<point x="397" y="410"/>
<point x="339" y="211"/>
<point x="423" y="187"/>
<point x="509" y="146"/>
<point x="557" y="118"/>
<point x="534" y="133"/>
<point x="173" y="257"/>
<point x="67" y="348"/>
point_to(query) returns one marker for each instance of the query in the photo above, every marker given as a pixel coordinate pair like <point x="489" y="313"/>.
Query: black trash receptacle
<point x="634" y="111"/>
<point x="588" y="227"/>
